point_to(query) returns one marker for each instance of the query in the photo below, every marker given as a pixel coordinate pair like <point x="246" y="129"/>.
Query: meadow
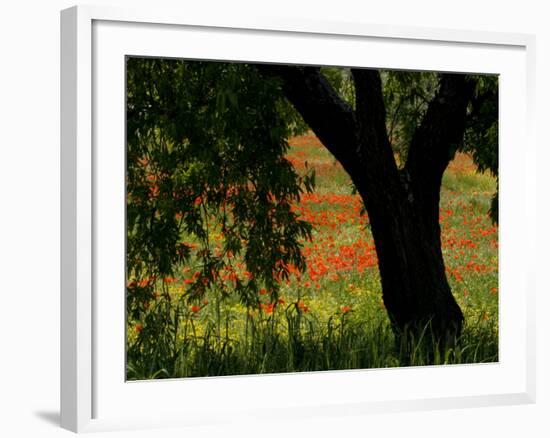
<point x="332" y="316"/>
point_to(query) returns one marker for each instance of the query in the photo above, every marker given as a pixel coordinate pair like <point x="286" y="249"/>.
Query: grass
<point x="333" y="316"/>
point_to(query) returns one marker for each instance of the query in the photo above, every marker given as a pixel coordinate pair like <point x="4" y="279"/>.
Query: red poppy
<point x="302" y="306"/>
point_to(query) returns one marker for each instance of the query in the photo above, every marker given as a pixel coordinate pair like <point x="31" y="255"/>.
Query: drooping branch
<point x="328" y="115"/>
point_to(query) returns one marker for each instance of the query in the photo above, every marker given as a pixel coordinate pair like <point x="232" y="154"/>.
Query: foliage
<point x="205" y="154"/>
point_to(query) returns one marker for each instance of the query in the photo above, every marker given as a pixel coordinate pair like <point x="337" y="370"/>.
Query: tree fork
<point x="405" y="223"/>
<point x="403" y="206"/>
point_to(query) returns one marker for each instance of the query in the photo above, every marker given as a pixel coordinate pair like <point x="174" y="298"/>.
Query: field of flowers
<point x="332" y="316"/>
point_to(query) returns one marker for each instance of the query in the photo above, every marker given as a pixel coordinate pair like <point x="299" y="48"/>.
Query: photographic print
<point x="289" y="218"/>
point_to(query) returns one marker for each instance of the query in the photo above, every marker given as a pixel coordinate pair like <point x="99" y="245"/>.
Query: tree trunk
<point x="403" y="209"/>
<point x="415" y="290"/>
<point x="402" y="204"/>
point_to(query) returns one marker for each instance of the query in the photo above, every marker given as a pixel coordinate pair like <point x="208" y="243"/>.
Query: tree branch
<point x="375" y="149"/>
<point x="442" y="129"/>
<point x="327" y="114"/>
<point x="370" y="108"/>
<point x="437" y="138"/>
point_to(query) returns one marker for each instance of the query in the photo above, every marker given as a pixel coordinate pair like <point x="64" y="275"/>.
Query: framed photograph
<point x="308" y="218"/>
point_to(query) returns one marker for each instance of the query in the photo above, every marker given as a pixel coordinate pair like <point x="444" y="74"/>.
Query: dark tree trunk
<point x="402" y="205"/>
<point x="416" y="293"/>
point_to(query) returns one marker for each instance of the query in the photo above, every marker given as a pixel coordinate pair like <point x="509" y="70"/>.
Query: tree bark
<point x="402" y="205"/>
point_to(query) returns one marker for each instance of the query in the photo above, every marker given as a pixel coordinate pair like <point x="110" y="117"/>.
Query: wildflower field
<point x="332" y="315"/>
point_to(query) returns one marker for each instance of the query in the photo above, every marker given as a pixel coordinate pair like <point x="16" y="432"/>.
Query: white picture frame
<point x="94" y="42"/>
